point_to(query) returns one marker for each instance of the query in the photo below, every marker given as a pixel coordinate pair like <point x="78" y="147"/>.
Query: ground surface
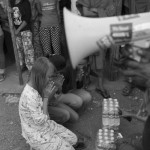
<point x="89" y="123"/>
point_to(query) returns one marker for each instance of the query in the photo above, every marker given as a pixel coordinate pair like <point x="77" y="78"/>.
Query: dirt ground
<point x="90" y="120"/>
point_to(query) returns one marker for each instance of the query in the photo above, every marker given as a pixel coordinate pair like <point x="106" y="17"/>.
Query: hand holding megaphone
<point x="105" y="42"/>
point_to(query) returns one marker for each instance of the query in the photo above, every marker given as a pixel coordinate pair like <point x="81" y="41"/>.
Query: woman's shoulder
<point x="29" y="92"/>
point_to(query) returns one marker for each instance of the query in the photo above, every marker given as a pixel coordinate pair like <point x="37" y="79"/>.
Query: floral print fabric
<point x="39" y="131"/>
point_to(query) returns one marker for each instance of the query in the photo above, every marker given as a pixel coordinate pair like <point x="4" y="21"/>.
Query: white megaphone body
<point x="82" y="33"/>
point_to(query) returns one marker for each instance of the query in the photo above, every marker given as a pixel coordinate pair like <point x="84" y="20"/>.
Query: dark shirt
<point x="146" y="135"/>
<point x="22" y="12"/>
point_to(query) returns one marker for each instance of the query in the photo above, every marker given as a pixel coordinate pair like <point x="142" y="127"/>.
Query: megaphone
<point x="82" y="33"/>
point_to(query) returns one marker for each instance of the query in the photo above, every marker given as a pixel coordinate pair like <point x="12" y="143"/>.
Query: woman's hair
<point x="39" y="72"/>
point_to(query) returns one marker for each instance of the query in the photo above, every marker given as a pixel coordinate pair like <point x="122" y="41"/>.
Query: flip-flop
<point x="127" y="90"/>
<point x="104" y="93"/>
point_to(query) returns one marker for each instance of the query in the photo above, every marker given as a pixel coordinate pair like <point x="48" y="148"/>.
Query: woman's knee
<point x="77" y="102"/>
<point x="65" y="116"/>
<point x="59" y="115"/>
<point x="85" y="96"/>
<point x="74" y="117"/>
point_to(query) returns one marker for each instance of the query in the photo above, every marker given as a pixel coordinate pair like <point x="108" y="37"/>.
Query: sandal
<point x="2" y="77"/>
<point x="127" y="90"/>
<point x="128" y="118"/>
<point x="104" y="93"/>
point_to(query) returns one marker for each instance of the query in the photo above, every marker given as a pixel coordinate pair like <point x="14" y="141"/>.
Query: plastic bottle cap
<point x="112" y="138"/>
<point x="100" y="137"/>
<point x="100" y="141"/>
<point x="105" y="130"/>
<point x="100" y="130"/>
<point x="106" y="133"/>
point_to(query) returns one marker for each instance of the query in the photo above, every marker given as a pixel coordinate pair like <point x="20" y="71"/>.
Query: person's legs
<point x="45" y="39"/>
<point x="73" y="114"/>
<point x="71" y="100"/>
<point x="66" y="134"/>
<point x="62" y="113"/>
<point x="99" y="65"/>
<point x="19" y="45"/>
<point x="55" y="143"/>
<point x="58" y="114"/>
<point x="28" y="48"/>
<point x="55" y="36"/>
<point x="36" y="40"/>
<point x="83" y="94"/>
<point x="2" y="59"/>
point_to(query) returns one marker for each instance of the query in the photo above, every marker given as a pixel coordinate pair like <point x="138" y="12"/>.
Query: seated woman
<point x="63" y="106"/>
<point x="38" y="129"/>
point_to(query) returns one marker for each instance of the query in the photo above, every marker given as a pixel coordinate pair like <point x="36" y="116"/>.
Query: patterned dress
<point x="39" y="131"/>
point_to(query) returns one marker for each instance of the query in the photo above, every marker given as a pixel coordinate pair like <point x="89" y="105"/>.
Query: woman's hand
<point x="105" y="42"/>
<point x="59" y="82"/>
<point x="50" y="90"/>
<point x="16" y="32"/>
<point x="10" y="10"/>
<point x="94" y="10"/>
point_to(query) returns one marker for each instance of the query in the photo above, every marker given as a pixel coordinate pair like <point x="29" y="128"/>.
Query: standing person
<point x="133" y="7"/>
<point x="94" y="9"/>
<point x="35" y="26"/>
<point x="50" y="26"/>
<point x="2" y="56"/>
<point x="21" y="18"/>
<point x="38" y="129"/>
<point x="3" y="16"/>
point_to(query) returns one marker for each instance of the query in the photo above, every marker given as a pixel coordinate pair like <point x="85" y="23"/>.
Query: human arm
<point x="140" y="118"/>
<point x="133" y="115"/>
<point x="90" y="12"/>
<point x="35" y="109"/>
<point x="17" y="31"/>
<point x="38" y="7"/>
<point x="25" y="12"/>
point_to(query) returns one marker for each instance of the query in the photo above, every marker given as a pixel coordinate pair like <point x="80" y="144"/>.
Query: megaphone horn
<point x="82" y="33"/>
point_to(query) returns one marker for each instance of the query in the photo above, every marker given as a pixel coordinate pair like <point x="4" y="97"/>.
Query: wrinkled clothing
<point x="39" y="131"/>
<point x="25" y="49"/>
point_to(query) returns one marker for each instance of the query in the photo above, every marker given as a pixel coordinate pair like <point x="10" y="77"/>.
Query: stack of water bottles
<point x="105" y="140"/>
<point x="107" y="136"/>
<point x="110" y="114"/>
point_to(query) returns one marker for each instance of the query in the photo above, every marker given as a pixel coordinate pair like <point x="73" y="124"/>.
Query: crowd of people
<point x="52" y="96"/>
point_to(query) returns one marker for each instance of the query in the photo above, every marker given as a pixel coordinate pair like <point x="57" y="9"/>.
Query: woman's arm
<point x="92" y="12"/>
<point x="140" y="118"/>
<point x="24" y="23"/>
<point x="39" y="9"/>
<point x="45" y="106"/>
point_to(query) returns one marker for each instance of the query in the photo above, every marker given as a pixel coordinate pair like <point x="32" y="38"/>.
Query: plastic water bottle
<point x="105" y="118"/>
<point x="117" y="118"/>
<point x="111" y="117"/>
